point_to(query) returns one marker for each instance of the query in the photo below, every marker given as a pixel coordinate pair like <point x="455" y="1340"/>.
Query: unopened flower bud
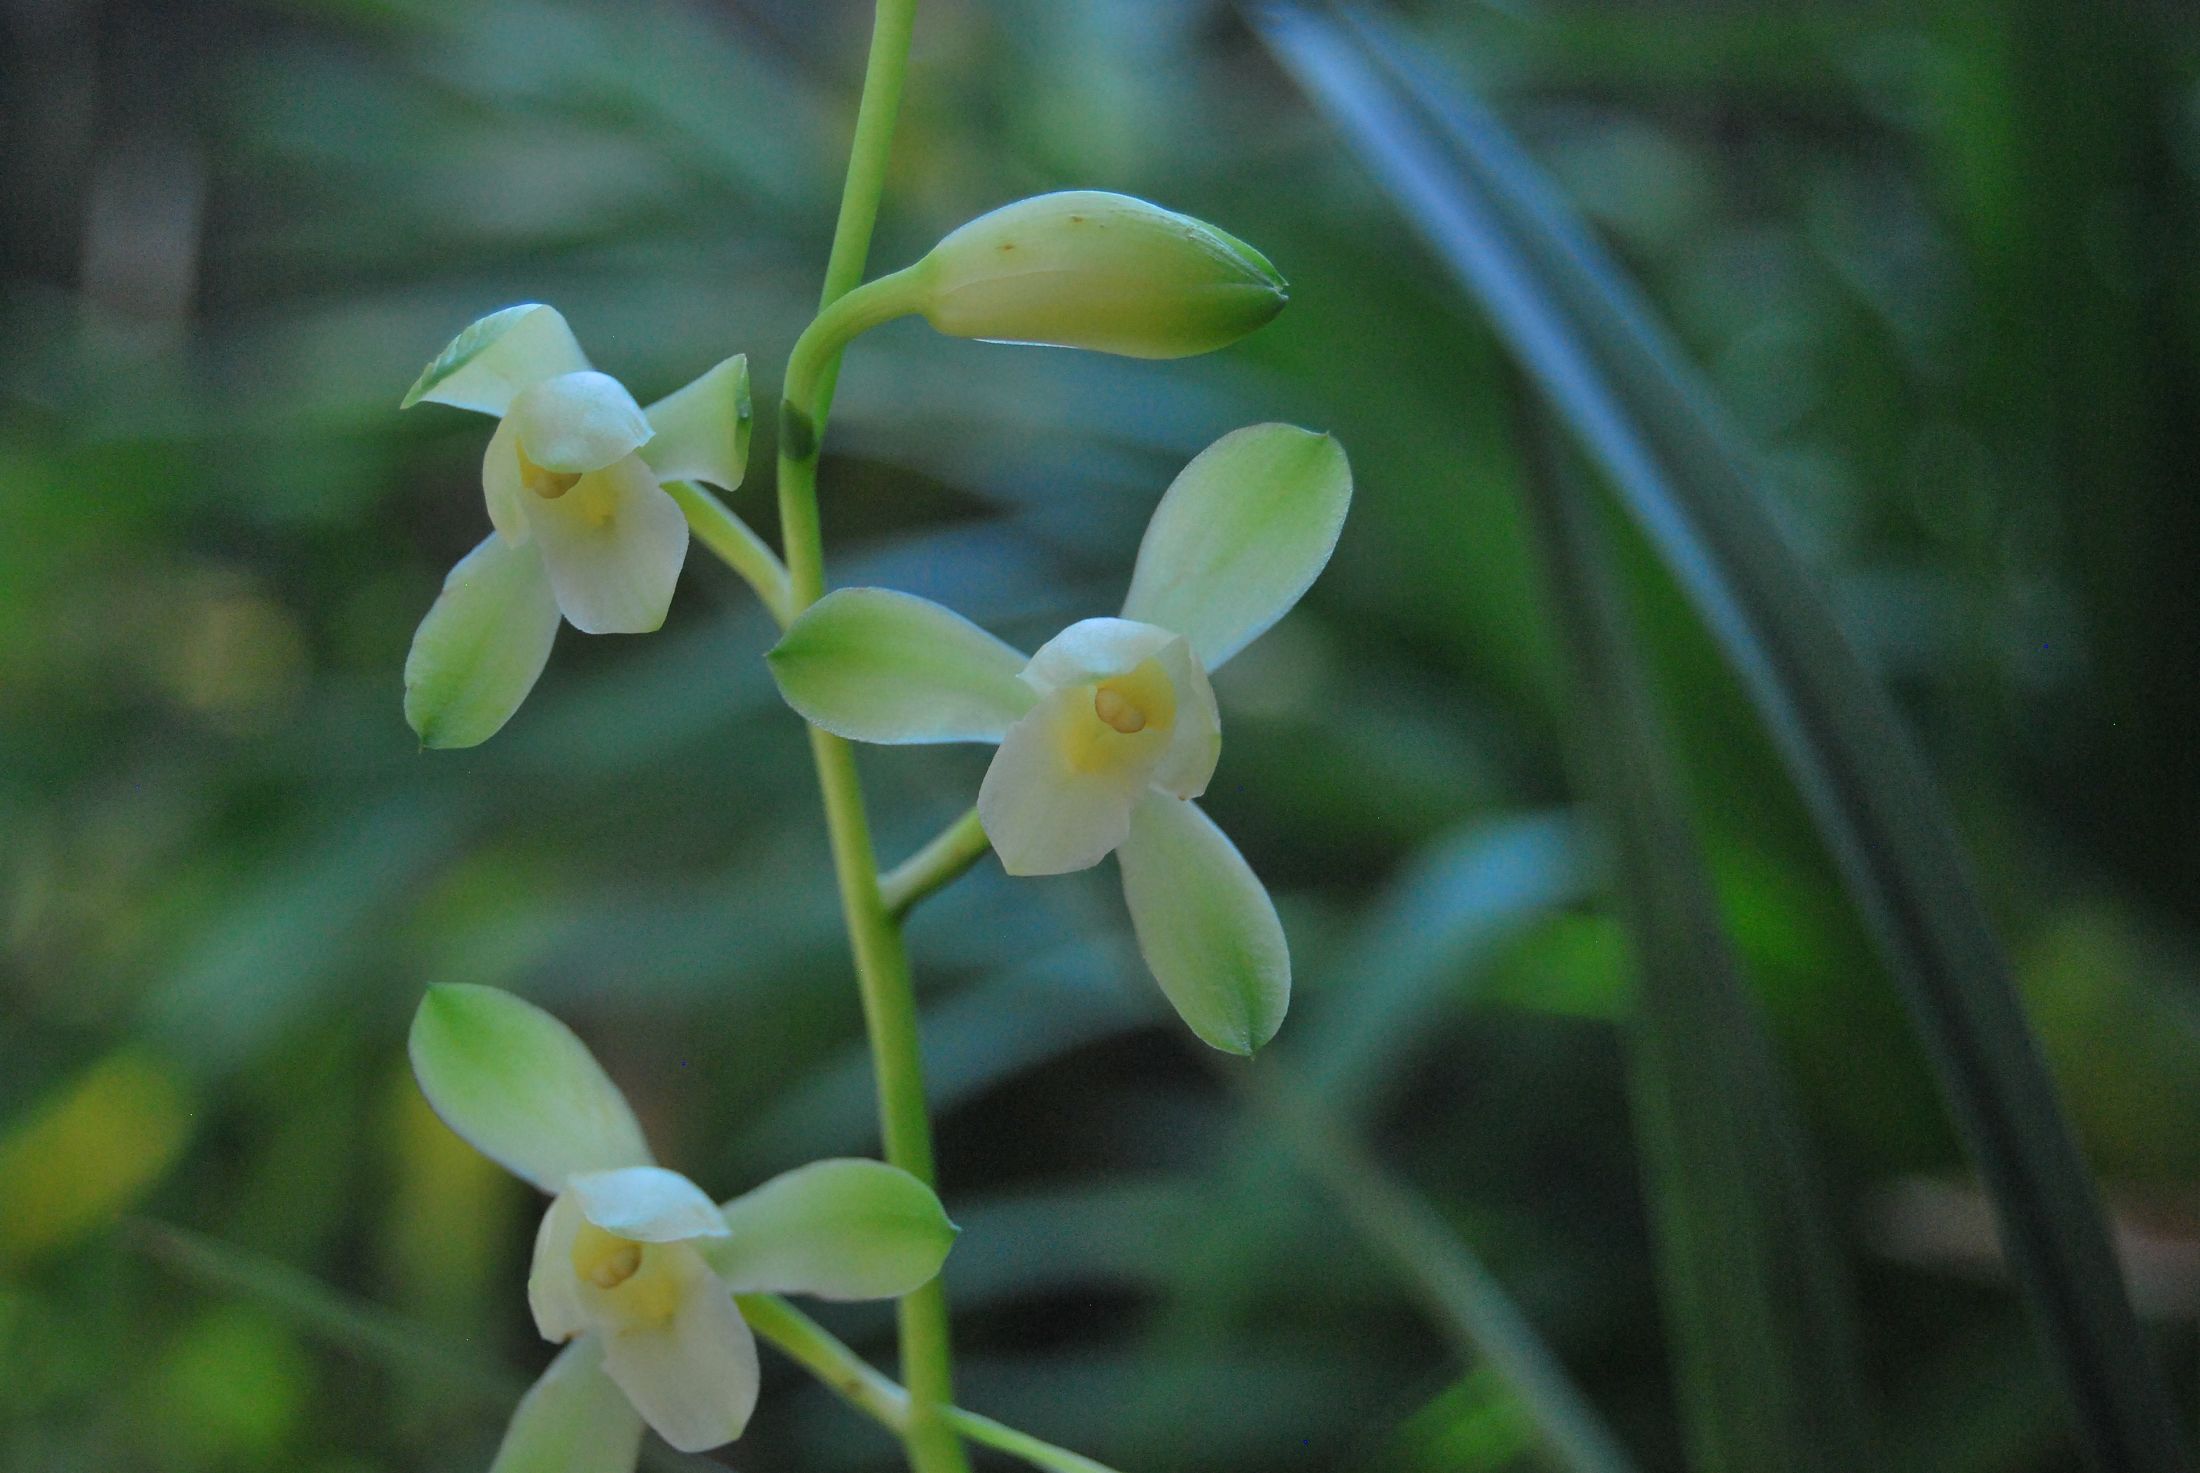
<point x="1084" y="269"/>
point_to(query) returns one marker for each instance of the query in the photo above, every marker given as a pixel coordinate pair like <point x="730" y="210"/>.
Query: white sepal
<point x="1238" y="537"/>
<point x="481" y="647"/>
<point x="844" y="1229"/>
<point x="572" y="1420"/>
<point x="553" y="1290"/>
<point x="703" y="429"/>
<point x="486" y="366"/>
<point x="1205" y="925"/>
<point x="873" y="665"/>
<point x="519" y="1087"/>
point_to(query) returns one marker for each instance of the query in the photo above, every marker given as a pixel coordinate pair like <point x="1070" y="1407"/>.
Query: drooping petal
<point x="1205" y="925"/>
<point x="845" y="1229"/>
<point x="691" y="1374"/>
<point x="577" y="422"/>
<point x="873" y="665"/>
<point x="488" y="364"/>
<point x="573" y="1420"/>
<point x="520" y="1087"/>
<point x="503" y="487"/>
<point x="482" y="645"/>
<point x="1239" y="536"/>
<point x="1043" y="813"/>
<point x="614" y="545"/>
<point x="647" y="1204"/>
<point x="703" y="429"/>
<point x="553" y="1291"/>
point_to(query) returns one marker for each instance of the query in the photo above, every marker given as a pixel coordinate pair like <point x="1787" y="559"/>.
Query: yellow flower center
<point x="1118" y="710"/>
<point x="642" y="1279"/>
<point x="549" y="485"/>
<point x="1132" y="715"/>
<point x="605" y="1259"/>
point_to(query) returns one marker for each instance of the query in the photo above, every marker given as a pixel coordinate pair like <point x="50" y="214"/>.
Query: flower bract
<point x="1110" y="730"/>
<point x="583" y="529"/>
<point x="635" y="1267"/>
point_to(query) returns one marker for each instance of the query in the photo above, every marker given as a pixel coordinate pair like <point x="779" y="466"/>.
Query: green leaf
<point x="488" y="364"/>
<point x="873" y="665"/>
<point x="703" y="428"/>
<point x="1754" y="1288"/>
<point x="1239" y="536"/>
<point x="1616" y="378"/>
<point x="520" y="1087"/>
<point x="1205" y="925"/>
<point x="572" y="1420"/>
<point x="482" y="646"/>
<point x="846" y="1229"/>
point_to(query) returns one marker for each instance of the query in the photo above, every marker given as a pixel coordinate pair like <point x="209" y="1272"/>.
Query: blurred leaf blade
<point x="1754" y="1289"/>
<point x="1593" y="349"/>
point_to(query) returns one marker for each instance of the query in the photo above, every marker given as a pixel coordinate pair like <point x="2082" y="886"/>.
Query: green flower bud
<point x="1084" y="269"/>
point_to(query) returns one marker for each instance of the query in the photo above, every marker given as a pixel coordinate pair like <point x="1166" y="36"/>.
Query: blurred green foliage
<point x="1939" y="260"/>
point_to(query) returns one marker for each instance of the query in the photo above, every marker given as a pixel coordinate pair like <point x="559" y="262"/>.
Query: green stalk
<point x="882" y="964"/>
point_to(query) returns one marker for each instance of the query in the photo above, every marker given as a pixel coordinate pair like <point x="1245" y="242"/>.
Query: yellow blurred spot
<point x="1117" y="710"/>
<point x="88" y="1152"/>
<point x="1127" y="723"/>
<point x="549" y="485"/>
<point x="604" y="1259"/>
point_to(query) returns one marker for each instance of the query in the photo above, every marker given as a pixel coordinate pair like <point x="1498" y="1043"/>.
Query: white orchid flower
<point x="1110" y="730"/>
<point x="584" y="528"/>
<point x="635" y="1265"/>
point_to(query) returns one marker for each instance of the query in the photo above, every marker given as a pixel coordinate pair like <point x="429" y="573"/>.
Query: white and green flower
<point x="635" y="1265"/>
<point x="584" y="529"/>
<point x="1110" y="730"/>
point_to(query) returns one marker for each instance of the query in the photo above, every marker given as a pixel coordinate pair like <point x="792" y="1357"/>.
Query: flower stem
<point x="881" y="962"/>
<point x="950" y="853"/>
<point x="736" y="544"/>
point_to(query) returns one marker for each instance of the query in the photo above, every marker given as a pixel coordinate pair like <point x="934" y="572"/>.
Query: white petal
<point x="553" y="1289"/>
<point x="1092" y="649"/>
<point x="482" y="646"/>
<point x="1241" y="533"/>
<point x="485" y="366"/>
<point x="573" y="1420"/>
<point x="693" y="1375"/>
<point x="1205" y="925"/>
<point x="873" y="665"/>
<point x="703" y="429"/>
<point x="614" y="545"/>
<point x="501" y="486"/>
<point x="519" y="1087"/>
<point x="845" y="1229"/>
<point x="1042" y="814"/>
<point x="1195" y="746"/>
<point x="647" y="1204"/>
<point x="578" y="422"/>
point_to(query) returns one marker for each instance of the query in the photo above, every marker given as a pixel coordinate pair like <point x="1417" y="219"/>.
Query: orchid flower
<point x="584" y="529"/>
<point x="634" y="1265"/>
<point x="1110" y="731"/>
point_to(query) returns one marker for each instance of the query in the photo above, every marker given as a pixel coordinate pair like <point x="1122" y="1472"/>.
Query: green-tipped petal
<point x="573" y="1420"/>
<point x="877" y="666"/>
<point x="693" y="1375"/>
<point x="614" y="545"/>
<point x="1106" y="272"/>
<point x="482" y="646"/>
<point x="486" y="366"/>
<point x="1240" y="535"/>
<point x="520" y="1087"/>
<point x="703" y="429"/>
<point x="844" y="1229"/>
<point x="578" y="422"/>
<point x="1205" y="925"/>
<point x="1042" y="813"/>
<point x="647" y="1204"/>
